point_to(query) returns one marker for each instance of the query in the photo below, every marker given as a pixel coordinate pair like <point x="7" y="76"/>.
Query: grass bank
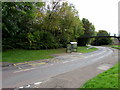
<point x="113" y="46"/>
<point x="19" y="55"/>
<point x="107" y="79"/>
<point x="86" y="49"/>
<point x="116" y="46"/>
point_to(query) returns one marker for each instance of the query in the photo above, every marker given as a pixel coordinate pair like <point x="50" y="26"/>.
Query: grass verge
<point x="107" y="79"/>
<point x="83" y="49"/>
<point x="114" y="46"/>
<point x="19" y="55"/>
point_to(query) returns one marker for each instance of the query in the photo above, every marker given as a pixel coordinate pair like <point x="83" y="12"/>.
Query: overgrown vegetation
<point x="107" y="79"/>
<point x="31" y="25"/>
<point x="38" y="25"/>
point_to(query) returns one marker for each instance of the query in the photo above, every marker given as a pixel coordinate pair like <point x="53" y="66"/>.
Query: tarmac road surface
<point x="70" y="70"/>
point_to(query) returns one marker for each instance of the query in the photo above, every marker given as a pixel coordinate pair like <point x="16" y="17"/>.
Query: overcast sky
<point x="102" y="13"/>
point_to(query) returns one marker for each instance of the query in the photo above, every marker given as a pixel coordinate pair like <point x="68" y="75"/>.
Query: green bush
<point x="42" y="40"/>
<point x="102" y="41"/>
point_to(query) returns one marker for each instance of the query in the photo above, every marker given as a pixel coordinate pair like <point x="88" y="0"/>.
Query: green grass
<point x="18" y="55"/>
<point x="0" y="56"/>
<point x="107" y="79"/>
<point x="83" y="49"/>
<point x="114" y="46"/>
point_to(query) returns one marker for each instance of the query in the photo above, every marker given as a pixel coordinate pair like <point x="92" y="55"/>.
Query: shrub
<point x="42" y="40"/>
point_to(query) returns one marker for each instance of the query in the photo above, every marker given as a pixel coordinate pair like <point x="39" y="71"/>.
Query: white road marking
<point x="23" y="70"/>
<point x="37" y="83"/>
<point x="21" y="87"/>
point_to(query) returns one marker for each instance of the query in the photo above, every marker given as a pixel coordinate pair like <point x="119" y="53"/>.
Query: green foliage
<point x="107" y="79"/>
<point x="42" y="40"/>
<point x="102" y="40"/>
<point x="89" y="30"/>
<point x="62" y="22"/>
<point x="37" y="25"/>
<point x="17" y="18"/>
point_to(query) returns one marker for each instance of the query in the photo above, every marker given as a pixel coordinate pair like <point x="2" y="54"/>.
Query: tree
<point x="31" y="25"/>
<point x="102" y="40"/>
<point x="88" y="31"/>
<point x="71" y="26"/>
<point x="17" y="19"/>
<point x="61" y="21"/>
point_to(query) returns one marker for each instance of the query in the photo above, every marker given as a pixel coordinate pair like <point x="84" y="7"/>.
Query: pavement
<point x="63" y="71"/>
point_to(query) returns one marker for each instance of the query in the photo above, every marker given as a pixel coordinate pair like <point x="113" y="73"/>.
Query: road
<point x="42" y="75"/>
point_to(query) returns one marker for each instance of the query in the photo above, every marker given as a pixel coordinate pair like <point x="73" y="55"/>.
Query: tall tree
<point x="88" y="31"/>
<point x="62" y="22"/>
<point x="17" y="18"/>
<point x="71" y="26"/>
<point x="34" y="25"/>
